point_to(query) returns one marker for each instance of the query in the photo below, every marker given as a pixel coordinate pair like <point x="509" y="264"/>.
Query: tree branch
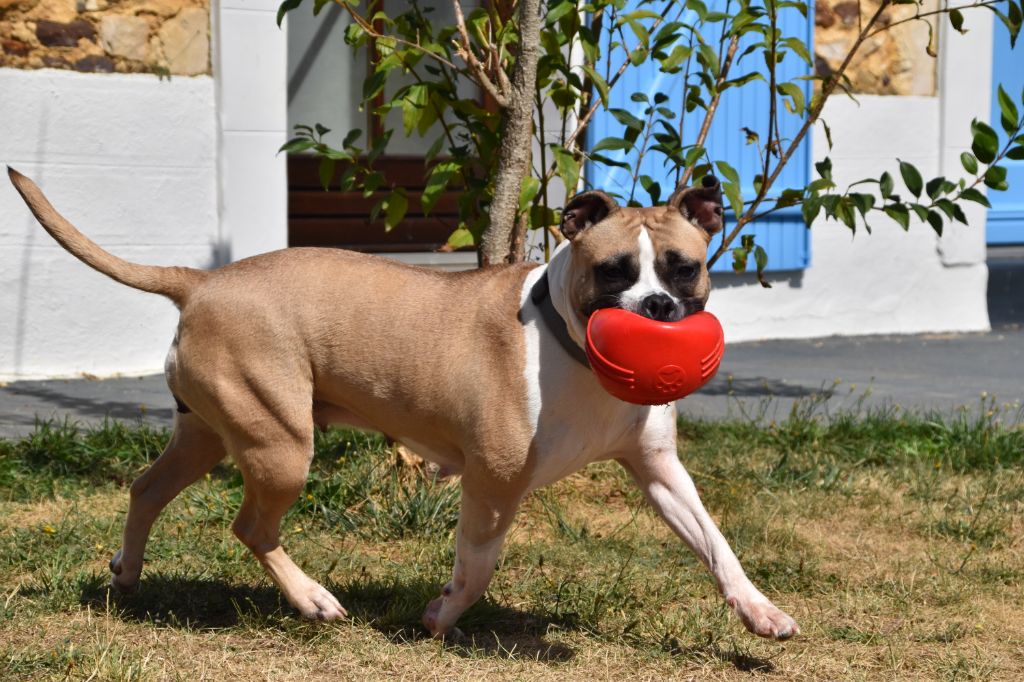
<point x="709" y="115"/>
<point x="501" y="241"/>
<point x="812" y="117"/>
<point x="465" y="50"/>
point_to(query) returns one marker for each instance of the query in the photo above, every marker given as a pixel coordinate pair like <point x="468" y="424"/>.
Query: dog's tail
<point x="173" y="282"/>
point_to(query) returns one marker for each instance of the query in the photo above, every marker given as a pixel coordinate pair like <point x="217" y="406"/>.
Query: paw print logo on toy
<point x="671" y="379"/>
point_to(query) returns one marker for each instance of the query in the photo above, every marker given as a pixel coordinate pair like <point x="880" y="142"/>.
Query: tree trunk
<point x="500" y="243"/>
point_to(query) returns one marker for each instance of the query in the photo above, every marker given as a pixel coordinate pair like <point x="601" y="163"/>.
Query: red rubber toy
<point x="648" y="362"/>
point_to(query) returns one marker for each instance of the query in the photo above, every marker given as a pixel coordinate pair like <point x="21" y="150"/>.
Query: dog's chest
<point x="573" y="420"/>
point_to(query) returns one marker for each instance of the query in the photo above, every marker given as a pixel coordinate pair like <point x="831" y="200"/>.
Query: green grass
<point x="893" y="538"/>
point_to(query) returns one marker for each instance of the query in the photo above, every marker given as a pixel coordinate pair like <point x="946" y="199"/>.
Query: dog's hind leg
<point x="192" y="451"/>
<point x="275" y="473"/>
<point x="484" y="519"/>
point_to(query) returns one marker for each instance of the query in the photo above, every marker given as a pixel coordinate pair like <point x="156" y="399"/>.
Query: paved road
<point x="932" y="372"/>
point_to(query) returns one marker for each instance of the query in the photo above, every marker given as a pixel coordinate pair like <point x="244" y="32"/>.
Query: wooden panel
<point x="341" y="219"/>
<point x="413" y="234"/>
<point x="317" y="202"/>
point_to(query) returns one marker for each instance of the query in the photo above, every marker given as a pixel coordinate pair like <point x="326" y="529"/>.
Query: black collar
<point x="541" y="297"/>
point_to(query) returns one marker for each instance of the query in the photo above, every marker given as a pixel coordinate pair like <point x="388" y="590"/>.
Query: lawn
<point x="894" y="539"/>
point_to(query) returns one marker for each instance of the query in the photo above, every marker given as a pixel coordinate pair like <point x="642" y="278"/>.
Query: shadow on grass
<point x="187" y="602"/>
<point x="392" y="608"/>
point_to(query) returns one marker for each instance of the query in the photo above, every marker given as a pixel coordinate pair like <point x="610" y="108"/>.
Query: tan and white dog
<point x="477" y="371"/>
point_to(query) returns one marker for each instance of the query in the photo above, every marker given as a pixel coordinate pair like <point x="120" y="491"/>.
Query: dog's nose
<point x="658" y="307"/>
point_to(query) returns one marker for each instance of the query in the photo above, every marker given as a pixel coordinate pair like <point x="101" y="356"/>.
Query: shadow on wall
<point x="1006" y="287"/>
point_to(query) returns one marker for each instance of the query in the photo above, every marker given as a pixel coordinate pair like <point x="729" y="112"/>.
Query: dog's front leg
<point x="671" y="491"/>
<point x="484" y="518"/>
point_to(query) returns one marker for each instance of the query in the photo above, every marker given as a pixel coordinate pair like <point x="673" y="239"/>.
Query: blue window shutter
<point x="782" y="234"/>
<point x="1006" y="217"/>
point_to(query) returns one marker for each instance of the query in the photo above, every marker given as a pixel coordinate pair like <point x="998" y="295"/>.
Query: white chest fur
<point x="574" y="420"/>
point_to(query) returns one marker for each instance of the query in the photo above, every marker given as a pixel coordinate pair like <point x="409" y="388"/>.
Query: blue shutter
<point x="1006" y="217"/>
<point x="782" y="234"/>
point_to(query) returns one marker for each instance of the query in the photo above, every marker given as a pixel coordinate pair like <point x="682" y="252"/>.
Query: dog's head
<point x="651" y="261"/>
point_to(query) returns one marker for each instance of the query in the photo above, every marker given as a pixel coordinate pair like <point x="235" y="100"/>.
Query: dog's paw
<point x="121" y="580"/>
<point x="763" y="618"/>
<point x="430" y="617"/>
<point x="314" y="602"/>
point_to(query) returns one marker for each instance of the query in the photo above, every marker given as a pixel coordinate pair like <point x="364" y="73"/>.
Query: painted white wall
<point x="965" y="89"/>
<point x="888" y="282"/>
<point x="250" y="61"/>
<point x="131" y="160"/>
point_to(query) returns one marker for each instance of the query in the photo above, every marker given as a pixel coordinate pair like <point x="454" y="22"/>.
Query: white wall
<point x="250" y="63"/>
<point x="888" y="282"/>
<point x="131" y="160"/>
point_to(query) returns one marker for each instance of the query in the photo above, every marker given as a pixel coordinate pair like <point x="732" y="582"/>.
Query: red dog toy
<point x="648" y="362"/>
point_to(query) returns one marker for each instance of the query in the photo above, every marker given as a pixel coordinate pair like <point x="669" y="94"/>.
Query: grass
<point x="893" y="538"/>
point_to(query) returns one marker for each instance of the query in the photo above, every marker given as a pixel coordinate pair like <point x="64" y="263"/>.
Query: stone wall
<point x="128" y="36"/>
<point x="893" y="62"/>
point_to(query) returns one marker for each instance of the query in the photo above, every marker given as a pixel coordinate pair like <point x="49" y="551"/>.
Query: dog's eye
<point x="613" y="271"/>
<point x="687" y="271"/>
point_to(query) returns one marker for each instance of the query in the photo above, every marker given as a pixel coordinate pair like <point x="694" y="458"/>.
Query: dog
<point x="481" y="372"/>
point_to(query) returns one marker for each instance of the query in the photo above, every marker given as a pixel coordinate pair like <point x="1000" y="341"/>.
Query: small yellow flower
<point x="938" y="465"/>
<point x="49" y="530"/>
<point x="207" y="476"/>
<point x="297" y="529"/>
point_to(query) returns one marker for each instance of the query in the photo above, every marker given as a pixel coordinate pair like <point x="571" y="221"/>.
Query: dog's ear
<point x="586" y="209"/>
<point x="701" y="205"/>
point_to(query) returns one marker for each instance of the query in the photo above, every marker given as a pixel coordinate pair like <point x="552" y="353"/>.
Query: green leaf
<point x="800" y="48"/>
<point x="862" y="202"/>
<point x="995" y="178"/>
<point x="679" y="55"/>
<point x="911" y="178"/>
<point x="824" y="168"/>
<point x="1009" y="112"/>
<point x="568" y="167"/>
<point x="559" y="11"/>
<point x="728" y="172"/>
<point x="351" y="137"/>
<point x="796" y="93"/>
<point x="761" y="260"/>
<point x="935" y="220"/>
<point x="286" y="6"/>
<point x="326" y="171"/>
<point x="956" y="19"/>
<point x="627" y="119"/>
<point x="599" y="83"/>
<point x="530" y="187"/>
<point x="985" y="143"/>
<point x="1016" y="154"/>
<point x="885" y="184"/>
<point x="810" y="209"/>
<point x="297" y="144"/>
<point x="900" y="214"/>
<point x="935" y="186"/>
<point x="739" y="259"/>
<point x="397" y="205"/>
<point x="440" y="176"/>
<point x="612" y="143"/>
<point x="971" y="194"/>
<point x="970" y="163"/>
<point x="733" y="194"/>
<point x="461" y="238"/>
